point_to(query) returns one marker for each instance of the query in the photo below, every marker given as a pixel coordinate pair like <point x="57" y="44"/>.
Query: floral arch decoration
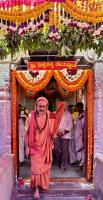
<point x="37" y="80"/>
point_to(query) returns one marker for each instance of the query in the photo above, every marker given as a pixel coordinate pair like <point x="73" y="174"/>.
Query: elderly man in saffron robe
<point x="42" y="127"/>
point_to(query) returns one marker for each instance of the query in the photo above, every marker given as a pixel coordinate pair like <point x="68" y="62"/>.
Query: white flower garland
<point x="71" y="77"/>
<point x="35" y="79"/>
<point x="41" y="74"/>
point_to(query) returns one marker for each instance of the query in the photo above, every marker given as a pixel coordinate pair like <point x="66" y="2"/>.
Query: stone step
<point x="58" y="195"/>
<point x="60" y="186"/>
<point x="54" y="198"/>
<point x="59" y="191"/>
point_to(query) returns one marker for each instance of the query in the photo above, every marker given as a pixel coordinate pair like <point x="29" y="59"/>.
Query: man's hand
<point x="27" y="152"/>
<point x="66" y="131"/>
<point x="60" y="134"/>
<point x="55" y="136"/>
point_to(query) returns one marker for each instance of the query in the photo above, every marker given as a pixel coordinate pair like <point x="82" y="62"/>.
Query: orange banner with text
<point x="48" y="65"/>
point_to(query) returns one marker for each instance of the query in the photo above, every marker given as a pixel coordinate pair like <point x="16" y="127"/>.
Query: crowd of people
<point x="42" y="131"/>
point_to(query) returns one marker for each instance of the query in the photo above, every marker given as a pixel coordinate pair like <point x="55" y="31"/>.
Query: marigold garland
<point x="37" y="86"/>
<point x="90" y="124"/>
<point x="34" y="87"/>
<point x="63" y="93"/>
<point x="22" y="75"/>
<point x="72" y="87"/>
<point x="13" y="117"/>
<point x="74" y="82"/>
<point x="20" y="16"/>
<point x="79" y="14"/>
<point x="75" y="11"/>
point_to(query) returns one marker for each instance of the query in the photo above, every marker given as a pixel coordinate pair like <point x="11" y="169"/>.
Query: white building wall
<point x="98" y="109"/>
<point x="5" y="110"/>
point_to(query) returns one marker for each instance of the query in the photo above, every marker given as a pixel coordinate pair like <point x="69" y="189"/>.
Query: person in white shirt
<point x="72" y="147"/>
<point x="61" y="143"/>
<point x="22" y="119"/>
<point x="79" y="134"/>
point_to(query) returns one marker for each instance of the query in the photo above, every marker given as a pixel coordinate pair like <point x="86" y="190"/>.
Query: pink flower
<point x="58" y="37"/>
<point x="51" y="34"/>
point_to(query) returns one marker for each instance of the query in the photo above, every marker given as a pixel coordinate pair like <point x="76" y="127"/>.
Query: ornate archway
<point x="37" y="83"/>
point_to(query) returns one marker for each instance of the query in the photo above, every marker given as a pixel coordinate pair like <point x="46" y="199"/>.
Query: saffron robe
<point x="41" y="145"/>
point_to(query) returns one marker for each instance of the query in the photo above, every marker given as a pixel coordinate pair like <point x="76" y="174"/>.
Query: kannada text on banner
<point x="59" y="65"/>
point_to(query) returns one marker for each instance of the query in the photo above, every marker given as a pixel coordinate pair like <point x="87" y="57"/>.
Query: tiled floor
<point x="71" y="172"/>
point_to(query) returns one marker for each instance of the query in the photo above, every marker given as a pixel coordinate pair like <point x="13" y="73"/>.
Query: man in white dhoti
<point x="61" y="144"/>
<point x="22" y="119"/>
<point x="79" y="134"/>
<point x="72" y="148"/>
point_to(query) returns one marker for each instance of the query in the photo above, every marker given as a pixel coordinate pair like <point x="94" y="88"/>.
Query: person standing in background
<point x="72" y="147"/>
<point x="61" y="143"/>
<point x="22" y="119"/>
<point x="79" y="134"/>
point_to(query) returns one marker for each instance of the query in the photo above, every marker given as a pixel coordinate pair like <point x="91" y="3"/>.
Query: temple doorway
<point x="53" y="91"/>
<point x="28" y="103"/>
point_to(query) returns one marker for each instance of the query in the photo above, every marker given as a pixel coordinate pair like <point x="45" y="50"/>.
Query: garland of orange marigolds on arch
<point x="74" y="85"/>
<point x="34" y="84"/>
<point x="64" y="93"/>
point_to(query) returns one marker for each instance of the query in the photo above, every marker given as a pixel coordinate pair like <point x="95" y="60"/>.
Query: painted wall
<point x="5" y="110"/>
<point x="98" y="109"/>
